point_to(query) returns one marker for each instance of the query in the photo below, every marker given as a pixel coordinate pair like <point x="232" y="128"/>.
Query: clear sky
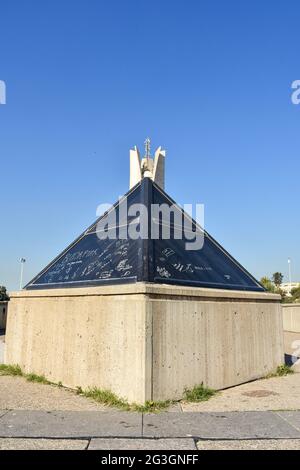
<point x="210" y="81"/>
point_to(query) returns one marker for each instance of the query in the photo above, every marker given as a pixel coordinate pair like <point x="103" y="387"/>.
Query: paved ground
<point x="147" y="444"/>
<point x="36" y="416"/>
<point x="18" y="394"/>
<point x="175" y="431"/>
<point x="265" y="444"/>
<point x="43" y="444"/>
<point x="278" y="393"/>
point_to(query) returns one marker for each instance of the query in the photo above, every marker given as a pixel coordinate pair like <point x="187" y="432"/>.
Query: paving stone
<point x="264" y="444"/>
<point x="73" y="424"/>
<point x="43" y="444"/>
<point x="115" y="424"/>
<point x="230" y="425"/>
<point x="292" y="417"/>
<point x="142" y="444"/>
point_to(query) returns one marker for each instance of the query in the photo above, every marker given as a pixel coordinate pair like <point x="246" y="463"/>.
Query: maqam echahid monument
<point x="144" y="316"/>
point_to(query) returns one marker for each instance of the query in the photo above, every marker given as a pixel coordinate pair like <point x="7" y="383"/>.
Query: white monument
<point x="153" y="168"/>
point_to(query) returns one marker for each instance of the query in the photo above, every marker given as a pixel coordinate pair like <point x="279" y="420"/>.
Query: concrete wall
<point x="3" y="315"/>
<point x="143" y="341"/>
<point x="220" y="341"/>
<point x="80" y="339"/>
<point x="291" y="317"/>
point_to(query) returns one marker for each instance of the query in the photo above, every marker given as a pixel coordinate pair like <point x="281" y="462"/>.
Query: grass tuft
<point x="37" y="378"/>
<point x="281" y="371"/>
<point x="152" y="406"/>
<point x="6" y="369"/>
<point x="199" y="393"/>
<point x="108" y="398"/>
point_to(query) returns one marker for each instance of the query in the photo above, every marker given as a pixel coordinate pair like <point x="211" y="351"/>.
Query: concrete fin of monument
<point x="106" y="253"/>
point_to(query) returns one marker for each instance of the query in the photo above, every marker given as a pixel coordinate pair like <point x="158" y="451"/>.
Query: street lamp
<point x="22" y="261"/>
<point x="290" y="274"/>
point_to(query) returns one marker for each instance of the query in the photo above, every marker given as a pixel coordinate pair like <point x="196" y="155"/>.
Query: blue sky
<point x="209" y="81"/>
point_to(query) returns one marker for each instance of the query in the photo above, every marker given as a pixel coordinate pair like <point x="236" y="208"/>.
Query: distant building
<point x="287" y="287"/>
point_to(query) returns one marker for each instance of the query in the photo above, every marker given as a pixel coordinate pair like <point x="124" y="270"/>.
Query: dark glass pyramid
<point x="104" y="254"/>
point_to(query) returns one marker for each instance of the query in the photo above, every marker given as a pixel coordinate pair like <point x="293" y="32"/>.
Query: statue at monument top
<point x="147" y="167"/>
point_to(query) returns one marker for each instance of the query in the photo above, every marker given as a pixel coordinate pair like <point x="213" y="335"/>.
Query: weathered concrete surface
<point x="119" y="425"/>
<point x="147" y="444"/>
<point x="144" y="341"/>
<point x="142" y="444"/>
<point x="218" y="341"/>
<point x="82" y="338"/>
<point x="70" y="424"/>
<point x="2" y="347"/>
<point x="291" y="417"/>
<point x="265" y="444"/>
<point x="43" y="444"/>
<point x="248" y="425"/>
<point x="277" y="393"/>
<point x="92" y="424"/>
<point x="16" y="393"/>
<point x="291" y="317"/>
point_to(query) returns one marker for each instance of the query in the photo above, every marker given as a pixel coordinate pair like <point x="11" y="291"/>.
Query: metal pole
<point x="290" y="274"/>
<point x="22" y="261"/>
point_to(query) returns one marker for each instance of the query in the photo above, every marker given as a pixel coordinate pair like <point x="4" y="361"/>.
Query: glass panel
<point x="92" y="260"/>
<point x="210" y="266"/>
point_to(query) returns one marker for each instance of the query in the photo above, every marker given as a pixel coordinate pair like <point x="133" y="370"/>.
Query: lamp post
<point x="290" y="274"/>
<point x="22" y="261"/>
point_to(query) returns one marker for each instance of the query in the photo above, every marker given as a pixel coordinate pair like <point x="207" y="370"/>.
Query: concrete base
<point x="145" y="341"/>
<point x="291" y="317"/>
